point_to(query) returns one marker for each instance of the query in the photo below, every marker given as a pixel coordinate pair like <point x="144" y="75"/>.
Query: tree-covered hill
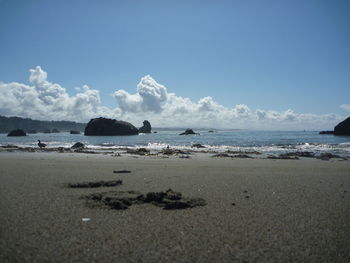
<point x="10" y="123"/>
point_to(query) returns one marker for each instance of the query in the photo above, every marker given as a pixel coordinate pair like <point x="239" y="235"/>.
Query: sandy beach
<point x="257" y="210"/>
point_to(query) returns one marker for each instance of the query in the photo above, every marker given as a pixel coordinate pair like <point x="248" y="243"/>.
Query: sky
<point x="227" y="64"/>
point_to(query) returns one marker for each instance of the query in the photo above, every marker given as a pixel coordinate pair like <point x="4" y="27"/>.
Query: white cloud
<point x="345" y="107"/>
<point x="149" y="97"/>
<point x="49" y="101"/>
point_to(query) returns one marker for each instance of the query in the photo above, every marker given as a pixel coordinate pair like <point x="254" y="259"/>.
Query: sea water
<point x="220" y="140"/>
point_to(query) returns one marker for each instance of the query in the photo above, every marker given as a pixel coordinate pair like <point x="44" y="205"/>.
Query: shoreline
<point x="181" y="152"/>
<point x="256" y="210"/>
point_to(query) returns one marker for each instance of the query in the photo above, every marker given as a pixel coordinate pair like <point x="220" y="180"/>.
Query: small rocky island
<point x="343" y="128"/>
<point x="17" y="132"/>
<point x="189" y="132"/>
<point x="111" y="127"/>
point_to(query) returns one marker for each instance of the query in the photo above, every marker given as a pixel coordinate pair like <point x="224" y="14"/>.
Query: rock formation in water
<point x="146" y="128"/>
<point x="343" y="128"/>
<point x="17" y="132"/>
<point x="188" y="132"/>
<point x="78" y="145"/>
<point x="109" y="127"/>
<point x="326" y="132"/>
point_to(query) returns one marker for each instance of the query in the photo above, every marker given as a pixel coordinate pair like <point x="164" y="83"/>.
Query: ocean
<point x="266" y="142"/>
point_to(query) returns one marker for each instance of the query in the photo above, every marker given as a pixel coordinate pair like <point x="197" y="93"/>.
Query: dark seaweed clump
<point x="95" y="184"/>
<point x="123" y="199"/>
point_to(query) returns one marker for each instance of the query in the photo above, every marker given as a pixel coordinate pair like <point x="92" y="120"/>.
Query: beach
<point x="257" y="210"/>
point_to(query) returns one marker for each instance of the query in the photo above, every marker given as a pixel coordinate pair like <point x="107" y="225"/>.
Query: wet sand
<point x="258" y="210"/>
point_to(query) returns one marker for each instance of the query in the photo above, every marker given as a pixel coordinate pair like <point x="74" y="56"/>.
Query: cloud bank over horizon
<point x="44" y="100"/>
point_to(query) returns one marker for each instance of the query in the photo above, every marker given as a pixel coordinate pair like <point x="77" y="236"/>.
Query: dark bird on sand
<point x="41" y="145"/>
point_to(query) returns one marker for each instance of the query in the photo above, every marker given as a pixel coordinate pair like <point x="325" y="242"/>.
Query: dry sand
<point x="257" y="210"/>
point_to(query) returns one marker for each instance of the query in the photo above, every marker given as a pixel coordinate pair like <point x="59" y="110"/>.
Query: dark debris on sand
<point x="298" y="154"/>
<point x="198" y="145"/>
<point x="123" y="199"/>
<point x="170" y="151"/>
<point x="328" y="156"/>
<point x="283" y="157"/>
<point x="139" y="151"/>
<point x="221" y="155"/>
<point x="95" y="184"/>
<point x="226" y="155"/>
<point x="121" y="171"/>
<point x="243" y="152"/>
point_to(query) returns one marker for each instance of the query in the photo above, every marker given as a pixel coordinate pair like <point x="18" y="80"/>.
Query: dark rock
<point x="46" y="131"/>
<point x="189" y="132"/>
<point x="78" y="145"/>
<point x="198" y="145"/>
<point x="211" y="131"/>
<point x="95" y="184"/>
<point x="17" y="132"/>
<point x="74" y="132"/>
<point x="146" y="128"/>
<point x="55" y="131"/>
<point x="32" y="131"/>
<point x="326" y="132"/>
<point x="343" y="128"/>
<point x="109" y="127"/>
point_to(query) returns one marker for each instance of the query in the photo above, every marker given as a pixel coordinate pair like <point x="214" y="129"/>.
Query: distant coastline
<point x="9" y="123"/>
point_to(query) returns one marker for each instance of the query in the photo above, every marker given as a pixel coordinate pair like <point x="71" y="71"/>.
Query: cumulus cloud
<point x="44" y="100"/>
<point x="345" y="107"/>
<point x="149" y="97"/>
<point x="49" y="101"/>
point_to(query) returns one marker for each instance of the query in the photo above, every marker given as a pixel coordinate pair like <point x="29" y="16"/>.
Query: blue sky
<point x="275" y="55"/>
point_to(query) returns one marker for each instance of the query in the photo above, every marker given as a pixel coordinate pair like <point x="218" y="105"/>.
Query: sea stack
<point x="343" y="128"/>
<point x="109" y="127"/>
<point x="146" y="128"/>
